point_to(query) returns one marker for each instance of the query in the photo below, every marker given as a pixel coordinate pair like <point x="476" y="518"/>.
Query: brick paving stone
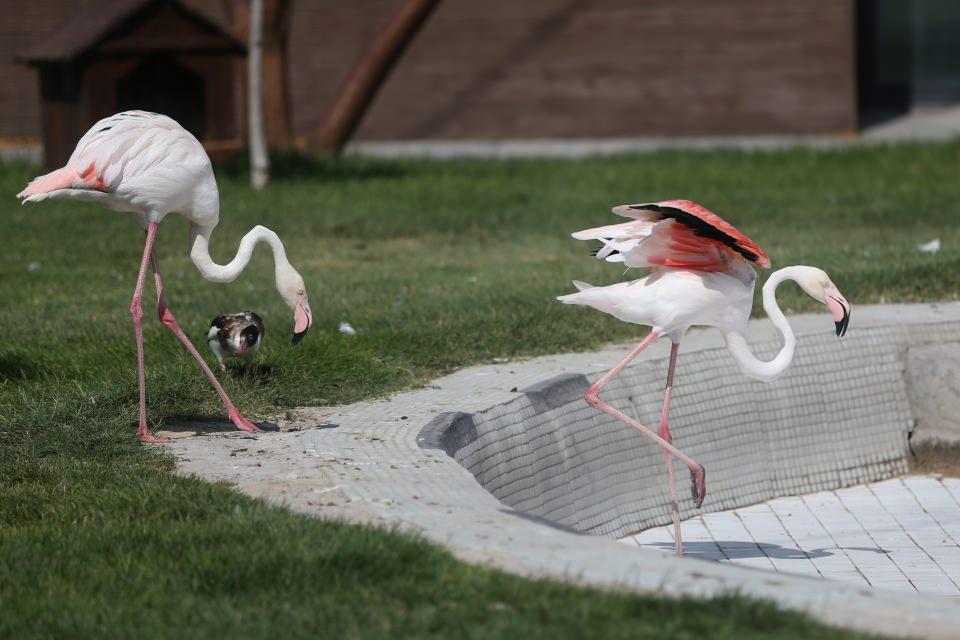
<point x="901" y="534"/>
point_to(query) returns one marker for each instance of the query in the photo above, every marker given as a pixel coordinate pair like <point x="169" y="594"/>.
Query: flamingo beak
<point x="302" y="319"/>
<point x="840" y="309"/>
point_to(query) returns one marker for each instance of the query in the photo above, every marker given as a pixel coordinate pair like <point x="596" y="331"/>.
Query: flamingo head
<point x="294" y="292"/>
<point x="818" y="285"/>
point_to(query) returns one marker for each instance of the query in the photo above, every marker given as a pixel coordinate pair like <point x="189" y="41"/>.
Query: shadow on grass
<point x="18" y="367"/>
<point x="296" y="164"/>
<point x="262" y="373"/>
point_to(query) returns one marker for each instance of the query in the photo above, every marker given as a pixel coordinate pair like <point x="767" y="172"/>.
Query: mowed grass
<point x="437" y="265"/>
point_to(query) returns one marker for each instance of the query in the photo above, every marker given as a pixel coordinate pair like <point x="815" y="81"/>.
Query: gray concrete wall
<point x="933" y="386"/>
<point x="841" y="415"/>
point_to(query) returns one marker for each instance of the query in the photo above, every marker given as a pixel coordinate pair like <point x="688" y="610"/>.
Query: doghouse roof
<point x="120" y="27"/>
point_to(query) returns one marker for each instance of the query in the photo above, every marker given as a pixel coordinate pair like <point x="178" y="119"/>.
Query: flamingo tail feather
<point x="41" y="186"/>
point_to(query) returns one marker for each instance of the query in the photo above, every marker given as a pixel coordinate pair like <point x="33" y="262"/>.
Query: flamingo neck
<point x="750" y="365"/>
<point x="200" y="253"/>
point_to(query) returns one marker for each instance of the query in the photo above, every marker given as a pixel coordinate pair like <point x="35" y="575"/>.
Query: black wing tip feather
<point x="600" y="248"/>
<point x="700" y="227"/>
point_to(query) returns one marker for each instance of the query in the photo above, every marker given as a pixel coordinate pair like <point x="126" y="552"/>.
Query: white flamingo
<point x="700" y="274"/>
<point x="146" y="165"/>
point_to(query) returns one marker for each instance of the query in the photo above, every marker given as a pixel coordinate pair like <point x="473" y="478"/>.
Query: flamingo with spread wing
<point x="146" y="165"/>
<point x="701" y="273"/>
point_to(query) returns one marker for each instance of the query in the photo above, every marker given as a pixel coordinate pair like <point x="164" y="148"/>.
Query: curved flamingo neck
<point x="750" y="365"/>
<point x="209" y="269"/>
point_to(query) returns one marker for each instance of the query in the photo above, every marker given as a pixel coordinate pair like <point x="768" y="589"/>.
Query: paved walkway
<point x="928" y="124"/>
<point x="901" y="534"/>
<point x="932" y="123"/>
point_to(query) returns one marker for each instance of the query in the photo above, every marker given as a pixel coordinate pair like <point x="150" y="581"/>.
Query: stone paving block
<point x="879" y="535"/>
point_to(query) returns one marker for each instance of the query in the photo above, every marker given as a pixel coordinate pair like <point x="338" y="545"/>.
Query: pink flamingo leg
<point x="136" y="313"/>
<point x="667" y="457"/>
<point x="168" y="319"/>
<point x="697" y="472"/>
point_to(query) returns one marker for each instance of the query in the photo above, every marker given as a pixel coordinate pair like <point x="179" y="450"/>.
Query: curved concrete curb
<point x="366" y="462"/>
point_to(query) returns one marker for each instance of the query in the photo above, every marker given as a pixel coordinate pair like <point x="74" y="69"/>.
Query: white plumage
<point x="672" y="300"/>
<point x="146" y="165"/>
<point x="700" y="273"/>
<point x="140" y="163"/>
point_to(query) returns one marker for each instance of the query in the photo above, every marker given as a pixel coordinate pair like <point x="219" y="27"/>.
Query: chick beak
<point x="302" y="319"/>
<point x="840" y="309"/>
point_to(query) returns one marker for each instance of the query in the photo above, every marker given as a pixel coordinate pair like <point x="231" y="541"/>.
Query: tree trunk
<point x="275" y="88"/>
<point x="259" y="161"/>
<point x="365" y="79"/>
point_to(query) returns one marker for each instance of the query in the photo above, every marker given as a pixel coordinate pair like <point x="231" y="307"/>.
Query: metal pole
<point x="259" y="161"/>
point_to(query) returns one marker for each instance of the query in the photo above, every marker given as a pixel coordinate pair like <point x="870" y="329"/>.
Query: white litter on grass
<point x="347" y="328"/>
<point x="930" y="247"/>
<point x="34" y="266"/>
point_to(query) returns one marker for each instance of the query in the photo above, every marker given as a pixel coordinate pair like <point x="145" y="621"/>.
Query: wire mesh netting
<point x="839" y="416"/>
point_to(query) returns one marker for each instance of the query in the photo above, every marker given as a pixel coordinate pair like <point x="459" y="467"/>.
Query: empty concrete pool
<point x="789" y="464"/>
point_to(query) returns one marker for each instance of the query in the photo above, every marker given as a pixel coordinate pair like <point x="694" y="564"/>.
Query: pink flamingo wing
<point x="707" y="229"/>
<point x="673" y="245"/>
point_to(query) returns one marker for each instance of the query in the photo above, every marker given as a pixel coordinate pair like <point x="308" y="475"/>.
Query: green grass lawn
<point x="437" y="265"/>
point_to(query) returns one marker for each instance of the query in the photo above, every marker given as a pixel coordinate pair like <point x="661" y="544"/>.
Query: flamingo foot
<point x="242" y="423"/>
<point x="152" y="439"/>
<point x="698" y="479"/>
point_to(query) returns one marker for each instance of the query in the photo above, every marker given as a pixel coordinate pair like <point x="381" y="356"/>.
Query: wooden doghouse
<point x="155" y="55"/>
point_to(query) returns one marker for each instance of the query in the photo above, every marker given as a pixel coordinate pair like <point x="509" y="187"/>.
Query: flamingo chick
<point x="146" y="165"/>
<point x="700" y="273"/>
<point x="235" y="334"/>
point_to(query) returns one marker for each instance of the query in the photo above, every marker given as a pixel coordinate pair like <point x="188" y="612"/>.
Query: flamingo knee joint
<point x="592" y="397"/>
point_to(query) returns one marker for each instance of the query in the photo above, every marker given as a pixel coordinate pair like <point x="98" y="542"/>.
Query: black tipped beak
<point x="844" y="322"/>
<point x="302" y="319"/>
